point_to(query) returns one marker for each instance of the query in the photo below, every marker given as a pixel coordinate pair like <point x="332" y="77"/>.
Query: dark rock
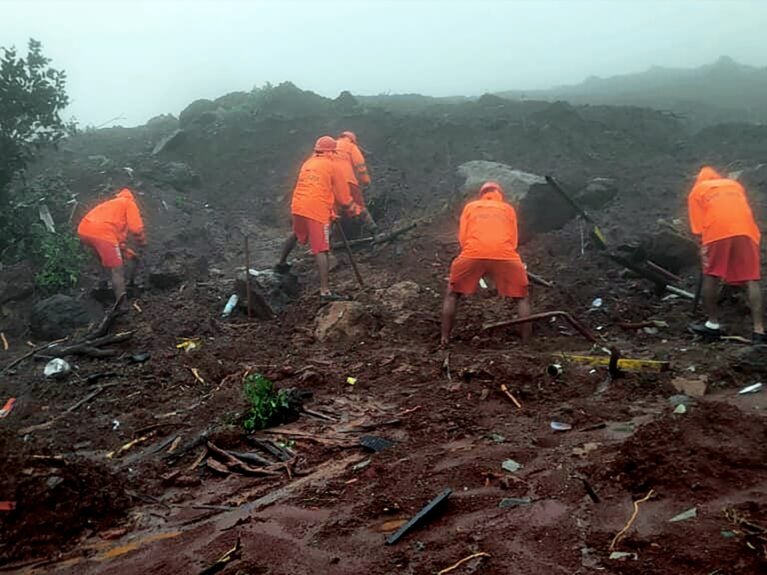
<point x="344" y="320"/>
<point x="58" y="316"/>
<point x="169" y="142"/>
<point x="597" y="193"/>
<point x="16" y="282"/>
<point x="270" y="292"/>
<point x="195" y="110"/>
<point x="751" y="359"/>
<point x="671" y="251"/>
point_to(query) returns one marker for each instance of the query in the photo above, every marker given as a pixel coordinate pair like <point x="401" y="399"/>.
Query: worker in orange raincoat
<point x="105" y="229"/>
<point x="321" y="185"/>
<point x="488" y="238"/>
<point x="720" y="214"/>
<point x="356" y="172"/>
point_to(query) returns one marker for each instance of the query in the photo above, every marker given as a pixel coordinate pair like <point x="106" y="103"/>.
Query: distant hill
<point x="724" y="91"/>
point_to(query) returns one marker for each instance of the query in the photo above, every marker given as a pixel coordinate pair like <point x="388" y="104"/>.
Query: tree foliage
<point x="32" y="96"/>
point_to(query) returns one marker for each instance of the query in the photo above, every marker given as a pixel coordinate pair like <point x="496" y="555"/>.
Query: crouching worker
<point x="488" y="238"/>
<point x="720" y="214"/>
<point x="321" y="184"/>
<point x="105" y="229"/>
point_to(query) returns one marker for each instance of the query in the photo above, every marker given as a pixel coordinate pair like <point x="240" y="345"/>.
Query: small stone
<point x="514" y="502"/>
<point x="511" y="466"/>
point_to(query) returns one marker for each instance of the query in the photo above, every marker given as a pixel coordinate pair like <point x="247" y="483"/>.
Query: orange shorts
<point x="109" y="252"/>
<point x="310" y="231"/>
<point x="509" y="276"/>
<point x="734" y="260"/>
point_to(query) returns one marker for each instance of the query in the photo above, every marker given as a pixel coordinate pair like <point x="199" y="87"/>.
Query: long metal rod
<point x="247" y="276"/>
<point x="357" y="274"/>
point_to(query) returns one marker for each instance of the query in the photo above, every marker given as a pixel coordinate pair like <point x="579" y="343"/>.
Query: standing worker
<point x="356" y="173"/>
<point x="488" y="238"/>
<point x="321" y="184"/>
<point x="720" y="214"/>
<point x="105" y="229"/>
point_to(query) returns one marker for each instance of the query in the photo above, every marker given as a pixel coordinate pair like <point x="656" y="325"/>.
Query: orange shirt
<point x="113" y="219"/>
<point x="321" y="183"/>
<point x="488" y="229"/>
<point x="349" y="151"/>
<point x="718" y="209"/>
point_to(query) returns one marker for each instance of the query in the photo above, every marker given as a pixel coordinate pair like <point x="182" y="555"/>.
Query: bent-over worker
<point x="720" y="214"/>
<point x="321" y="184"/>
<point x="356" y="173"/>
<point x="488" y="238"/>
<point x="105" y="229"/>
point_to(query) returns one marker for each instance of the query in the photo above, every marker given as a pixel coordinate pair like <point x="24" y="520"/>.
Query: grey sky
<point x="140" y="58"/>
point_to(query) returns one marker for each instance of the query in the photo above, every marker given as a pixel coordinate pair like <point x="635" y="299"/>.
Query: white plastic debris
<point x="560" y="426"/>
<point x="482" y="283"/>
<point x="511" y="466"/>
<point x="623" y="555"/>
<point x="56" y="368"/>
<point x="230" y="305"/>
<point x="751" y="389"/>
<point x="115" y="424"/>
<point x="680" y="409"/>
<point x="685" y="515"/>
<point x="597" y="303"/>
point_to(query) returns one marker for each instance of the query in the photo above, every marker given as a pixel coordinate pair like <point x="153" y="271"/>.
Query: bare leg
<point x="323" y="266"/>
<point x="118" y="282"/>
<point x="524" y="309"/>
<point x="287" y="247"/>
<point x="710" y="293"/>
<point x="449" y="307"/>
<point x="755" y="302"/>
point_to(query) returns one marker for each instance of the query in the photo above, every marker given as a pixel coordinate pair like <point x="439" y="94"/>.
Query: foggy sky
<point x="140" y="58"/>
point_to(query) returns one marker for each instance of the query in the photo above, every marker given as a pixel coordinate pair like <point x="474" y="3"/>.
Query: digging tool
<point x="596" y="232"/>
<point x="624" y="363"/>
<point x="579" y="327"/>
<point x="247" y="276"/>
<point x="357" y="274"/>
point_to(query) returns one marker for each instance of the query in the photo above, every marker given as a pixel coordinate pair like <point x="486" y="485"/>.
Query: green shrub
<point x="265" y="402"/>
<point x="58" y="257"/>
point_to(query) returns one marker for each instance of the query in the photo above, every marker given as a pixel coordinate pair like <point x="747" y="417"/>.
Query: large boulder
<point x="671" y="250"/>
<point x="58" y="316"/>
<point x="344" y="320"/>
<point x="195" y="111"/>
<point x="539" y="207"/>
<point x="270" y="292"/>
<point x="16" y="282"/>
<point x="177" y="174"/>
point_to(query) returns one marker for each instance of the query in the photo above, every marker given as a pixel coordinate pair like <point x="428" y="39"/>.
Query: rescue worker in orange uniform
<point x="488" y="238"/>
<point x="105" y="229"/>
<point x="321" y="185"/>
<point x="356" y="173"/>
<point x="720" y="214"/>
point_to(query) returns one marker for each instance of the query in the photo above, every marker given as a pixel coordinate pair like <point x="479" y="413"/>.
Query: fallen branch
<point x="536" y="279"/>
<point x="235" y="464"/>
<point x="91" y="346"/>
<point x="462" y="561"/>
<point x="90" y="396"/>
<point x="103" y="328"/>
<point x="224" y="560"/>
<point x="633" y="517"/>
<point x="32" y="352"/>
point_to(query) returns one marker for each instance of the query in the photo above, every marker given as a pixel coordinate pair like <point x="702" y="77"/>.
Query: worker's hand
<point x="353" y="209"/>
<point x="141" y="240"/>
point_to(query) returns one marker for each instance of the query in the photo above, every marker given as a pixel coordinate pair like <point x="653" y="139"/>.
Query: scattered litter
<point x="586" y="449"/>
<point x="619" y="555"/>
<point x="56" y="368"/>
<point x="127" y="446"/>
<point x="511" y="466"/>
<point x="140" y="357"/>
<point x="224" y="560"/>
<point x="597" y="303"/>
<point x="554" y="370"/>
<point x="421" y="516"/>
<point x="728" y="534"/>
<point x="559" y="426"/>
<point x="496" y="438"/>
<point x="137" y="307"/>
<point x="462" y="561"/>
<point x="514" y="502"/>
<point x="680" y="409"/>
<point x="681" y="399"/>
<point x="351" y="380"/>
<point x="751" y="389"/>
<point x="5" y="341"/>
<point x="685" y="515"/>
<point x="231" y="303"/>
<point x="115" y="425"/>
<point x="7" y="408"/>
<point x="651" y="330"/>
<point x="374" y="443"/>
<point x="361" y="465"/>
<point x="189" y="344"/>
<point x="7" y="505"/>
<point x="196" y="374"/>
<point x="482" y="283"/>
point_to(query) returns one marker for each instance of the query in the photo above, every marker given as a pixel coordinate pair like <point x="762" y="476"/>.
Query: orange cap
<point x="325" y="144"/>
<point x="490" y="187"/>
<point x="707" y="173"/>
<point x="351" y="135"/>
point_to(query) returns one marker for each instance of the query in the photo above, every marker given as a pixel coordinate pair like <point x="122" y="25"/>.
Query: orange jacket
<point x="488" y="229"/>
<point x="718" y="208"/>
<point x="357" y="171"/>
<point x="113" y="219"/>
<point x="321" y="183"/>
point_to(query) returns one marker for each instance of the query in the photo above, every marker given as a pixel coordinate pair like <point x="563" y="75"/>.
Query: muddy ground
<point x="330" y="508"/>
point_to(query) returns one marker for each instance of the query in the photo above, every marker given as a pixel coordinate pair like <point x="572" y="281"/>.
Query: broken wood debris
<point x="507" y="393"/>
<point x="579" y="327"/>
<point x="232" y="463"/>
<point x="129" y="445"/>
<point x="5" y="341"/>
<point x="433" y="506"/>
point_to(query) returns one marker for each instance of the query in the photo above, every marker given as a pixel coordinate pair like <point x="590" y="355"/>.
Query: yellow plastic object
<point x="351" y="380"/>
<point x="626" y="364"/>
